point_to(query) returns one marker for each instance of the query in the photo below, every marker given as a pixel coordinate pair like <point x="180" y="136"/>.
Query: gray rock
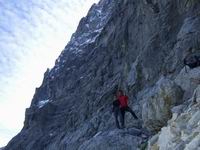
<point x="120" y="44"/>
<point x="158" y="102"/>
<point x="181" y="132"/>
<point x="178" y="109"/>
<point x="132" y="76"/>
<point x="112" y="140"/>
<point x="188" y="81"/>
<point x="196" y="95"/>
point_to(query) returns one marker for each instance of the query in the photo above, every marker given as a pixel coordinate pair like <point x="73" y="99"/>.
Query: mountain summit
<point x="135" y="45"/>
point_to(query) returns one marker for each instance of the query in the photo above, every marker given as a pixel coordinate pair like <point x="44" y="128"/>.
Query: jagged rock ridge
<point x="137" y="45"/>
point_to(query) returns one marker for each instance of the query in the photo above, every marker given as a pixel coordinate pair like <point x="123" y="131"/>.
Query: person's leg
<point x="116" y="113"/>
<point x="122" y="114"/>
<point x="132" y="112"/>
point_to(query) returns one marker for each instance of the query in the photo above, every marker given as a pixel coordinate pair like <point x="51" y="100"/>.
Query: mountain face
<point x="134" y="45"/>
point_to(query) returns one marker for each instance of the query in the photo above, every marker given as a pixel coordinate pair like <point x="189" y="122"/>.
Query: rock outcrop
<point x="136" y="45"/>
<point x="158" y="102"/>
<point x="183" y="130"/>
<point x="114" y="140"/>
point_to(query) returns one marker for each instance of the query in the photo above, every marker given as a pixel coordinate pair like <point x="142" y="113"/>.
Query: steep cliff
<point x="136" y="45"/>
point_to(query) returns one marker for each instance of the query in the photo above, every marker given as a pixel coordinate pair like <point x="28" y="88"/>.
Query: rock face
<point x="188" y="81"/>
<point x="113" y="140"/>
<point x="183" y="130"/>
<point x="136" y="45"/>
<point x="158" y="103"/>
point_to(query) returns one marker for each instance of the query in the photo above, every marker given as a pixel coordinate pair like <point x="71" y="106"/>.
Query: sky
<point x="32" y="35"/>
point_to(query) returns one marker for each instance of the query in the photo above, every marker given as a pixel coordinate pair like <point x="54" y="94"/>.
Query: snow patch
<point x="87" y="25"/>
<point x="57" y="68"/>
<point x="98" y="30"/>
<point x="78" y="51"/>
<point x="97" y="134"/>
<point x="99" y="11"/>
<point x="42" y="103"/>
<point x="91" y="19"/>
<point x="76" y="43"/>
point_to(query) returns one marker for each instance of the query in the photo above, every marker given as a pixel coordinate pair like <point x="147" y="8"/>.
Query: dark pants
<point x="126" y="109"/>
<point x="116" y="114"/>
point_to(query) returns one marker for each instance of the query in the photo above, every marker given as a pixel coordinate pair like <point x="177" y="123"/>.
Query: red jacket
<point x="123" y="101"/>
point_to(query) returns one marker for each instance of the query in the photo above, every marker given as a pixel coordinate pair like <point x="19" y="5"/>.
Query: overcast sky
<point x="32" y="35"/>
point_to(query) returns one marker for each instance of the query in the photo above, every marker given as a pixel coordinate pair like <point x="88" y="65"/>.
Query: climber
<point x="123" y="100"/>
<point x="116" y="111"/>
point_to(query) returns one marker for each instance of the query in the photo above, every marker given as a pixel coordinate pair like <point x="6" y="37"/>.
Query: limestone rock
<point x="158" y="102"/>
<point x="182" y="131"/>
<point x="128" y="44"/>
<point x="196" y="95"/>
<point x="113" y="140"/>
<point x="188" y="80"/>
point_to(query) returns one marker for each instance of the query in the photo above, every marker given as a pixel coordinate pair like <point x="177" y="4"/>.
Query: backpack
<point x="192" y="60"/>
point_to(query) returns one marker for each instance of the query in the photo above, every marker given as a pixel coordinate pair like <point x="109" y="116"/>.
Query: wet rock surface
<point x="136" y="45"/>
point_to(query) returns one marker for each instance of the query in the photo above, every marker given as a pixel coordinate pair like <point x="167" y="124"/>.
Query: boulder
<point x="188" y="80"/>
<point x="157" y="103"/>
<point x="182" y="131"/>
